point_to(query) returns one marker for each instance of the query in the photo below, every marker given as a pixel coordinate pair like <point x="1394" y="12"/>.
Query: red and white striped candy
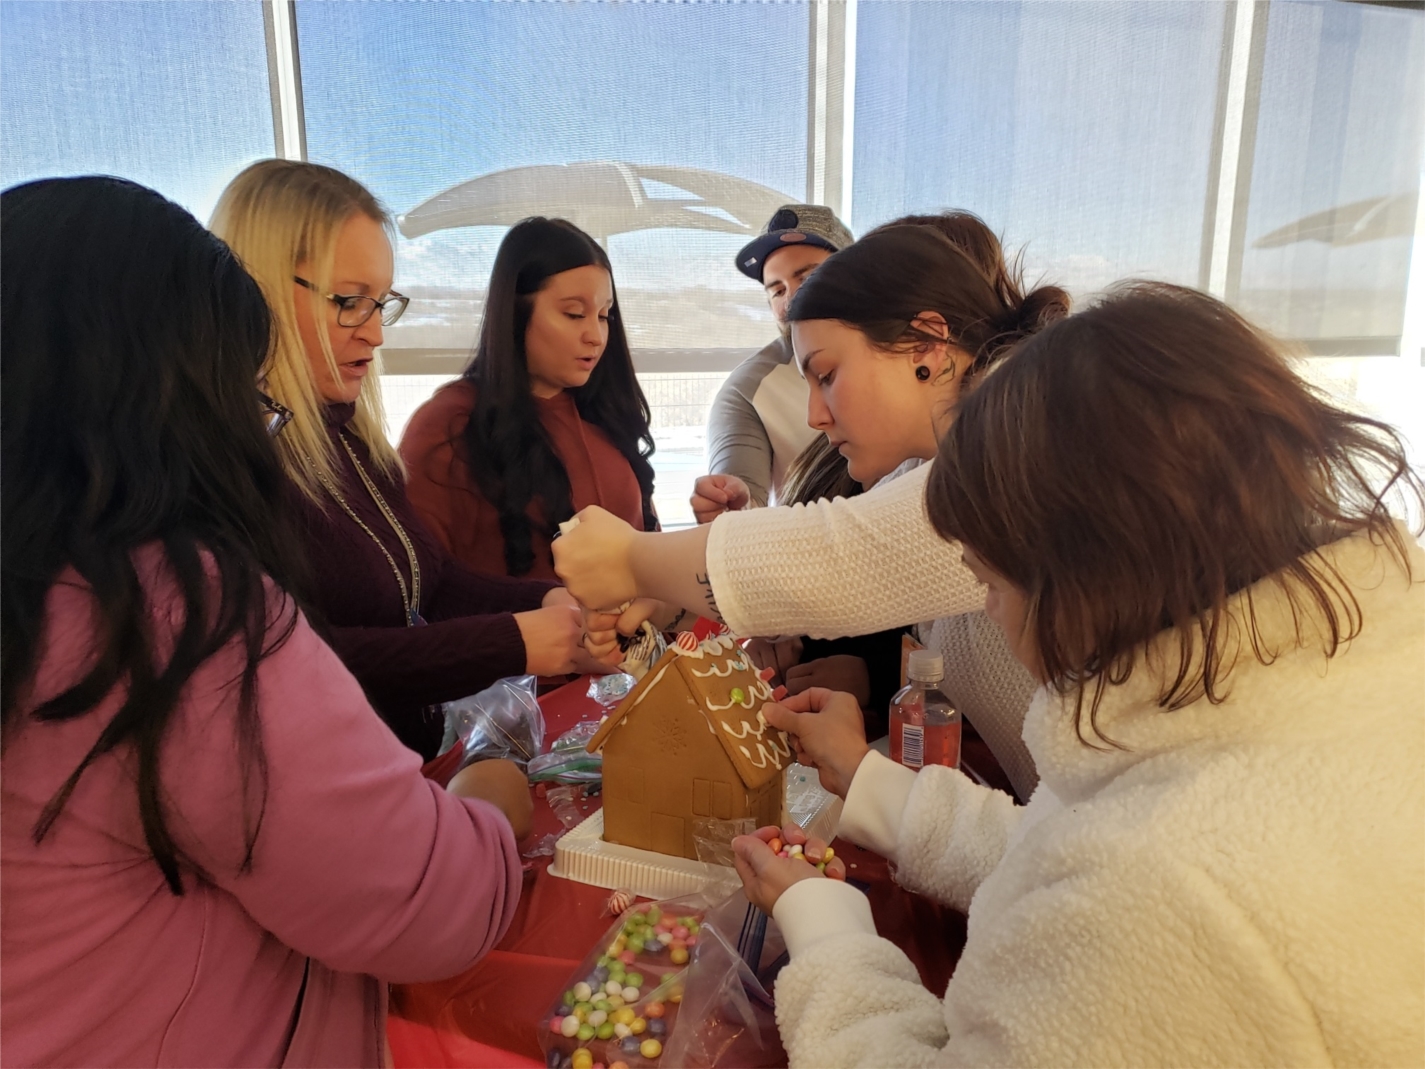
<point x="686" y="641"/>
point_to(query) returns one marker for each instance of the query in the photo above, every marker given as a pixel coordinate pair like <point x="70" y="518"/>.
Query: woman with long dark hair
<point x="214" y="852"/>
<point x="414" y="625"/>
<point x="1195" y="555"/>
<point x="547" y="419"/>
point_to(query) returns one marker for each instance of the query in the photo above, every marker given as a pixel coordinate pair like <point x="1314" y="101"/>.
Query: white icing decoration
<point x="726" y="670"/>
<point x="751" y="701"/>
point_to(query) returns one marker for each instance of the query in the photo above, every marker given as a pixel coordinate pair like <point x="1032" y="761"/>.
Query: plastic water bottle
<point x="925" y="726"/>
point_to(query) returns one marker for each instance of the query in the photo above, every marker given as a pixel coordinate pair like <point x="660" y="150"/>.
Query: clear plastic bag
<point x="683" y="998"/>
<point x="567" y="761"/>
<point x="503" y="720"/>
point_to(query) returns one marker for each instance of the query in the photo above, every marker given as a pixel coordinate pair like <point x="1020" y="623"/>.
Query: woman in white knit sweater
<point x="889" y="333"/>
<point x="1224" y="862"/>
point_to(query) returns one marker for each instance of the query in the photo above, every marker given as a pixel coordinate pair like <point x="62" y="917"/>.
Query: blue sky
<point x="1081" y="130"/>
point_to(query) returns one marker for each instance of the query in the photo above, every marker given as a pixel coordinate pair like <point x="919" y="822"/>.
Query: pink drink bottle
<point x="925" y="727"/>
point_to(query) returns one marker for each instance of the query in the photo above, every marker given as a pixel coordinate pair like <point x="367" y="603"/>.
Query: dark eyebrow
<point x="803" y="361"/>
<point x="804" y="270"/>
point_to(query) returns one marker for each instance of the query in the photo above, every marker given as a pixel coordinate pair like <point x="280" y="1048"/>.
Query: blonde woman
<point x="414" y="626"/>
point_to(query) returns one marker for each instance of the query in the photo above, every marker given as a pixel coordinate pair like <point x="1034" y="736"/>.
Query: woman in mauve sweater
<point x="547" y="419"/>
<point x="415" y="626"/>
<point x="212" y="852"/>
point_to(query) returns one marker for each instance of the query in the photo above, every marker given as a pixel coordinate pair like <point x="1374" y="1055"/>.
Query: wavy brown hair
<point x="1133" y="467"/>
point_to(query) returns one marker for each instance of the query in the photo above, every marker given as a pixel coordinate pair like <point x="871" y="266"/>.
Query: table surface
<point x="492" y="1014"/>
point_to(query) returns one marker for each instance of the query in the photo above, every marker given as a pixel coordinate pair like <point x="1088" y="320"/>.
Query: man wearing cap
<point x="758" y="422"/>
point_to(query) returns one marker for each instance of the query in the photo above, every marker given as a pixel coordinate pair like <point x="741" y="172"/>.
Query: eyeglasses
<point x="275" y="415"/>
<point x="354" y="310"/>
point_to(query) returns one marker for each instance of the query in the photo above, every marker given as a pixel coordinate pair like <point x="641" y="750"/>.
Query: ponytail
<point x="951" y="264"/>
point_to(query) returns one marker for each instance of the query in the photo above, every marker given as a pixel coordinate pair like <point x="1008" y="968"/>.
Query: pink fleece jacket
<point x="362" y="873"/>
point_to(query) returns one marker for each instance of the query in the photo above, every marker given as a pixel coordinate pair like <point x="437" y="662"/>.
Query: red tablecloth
<point x="491" y="1015"/>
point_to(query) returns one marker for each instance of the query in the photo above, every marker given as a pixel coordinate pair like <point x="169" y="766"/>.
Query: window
<point x="1081" y="131"/>
<point x="1268" y="152"/>
<point x="174" y="96"/>
<point x="670" y="132"/>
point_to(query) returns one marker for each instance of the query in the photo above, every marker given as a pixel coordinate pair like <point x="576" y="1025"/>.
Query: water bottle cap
<point x="925" y="667"/>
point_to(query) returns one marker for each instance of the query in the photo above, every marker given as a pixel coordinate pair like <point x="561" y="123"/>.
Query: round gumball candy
<point x="658" y="1027"/>
<point x="737" y="697"/>
<point x="686" y="641"/>
<point x="585" y="1033"/>
<point x="583" y="1058"/>
<point x="613" y="987"/>
<point x="629" y="1045"/>
<point x="582" y="992"/>
<point x="556" y="1023"/>
<point x="601" y="974"/>
<point x="691" y="941"/>
<point x="678" y="956"/>
<point x="650" y="1048"/>
<point x="618" y="1065"/>
<point x="569" y="999"/>
<point x="627" y="957"/>
<point x="665" y="938"/>
<point x="630" y="994"/>
<point x="605" y="1030"/>
<point x="680" y="932"/>
<point x="775" y="845"/>
<point x="635" y="945"/>
<point x="569" y="1026"/>
<point x="693" y="926"/>
<point x="622" y="1030"/>
<point x="615" y="1002"/>
<point x="654" y="1009"/>
<point x="554" y="1059"/>
<point x="634" y="979"/>
<point x="624" y="1015"/>
<point x="638" y="1026"/>
<point x="597" y="1018"/>
<point x="653" y="946"/>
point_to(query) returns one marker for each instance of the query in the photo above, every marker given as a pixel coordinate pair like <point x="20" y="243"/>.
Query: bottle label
<point x="912" y="745"/>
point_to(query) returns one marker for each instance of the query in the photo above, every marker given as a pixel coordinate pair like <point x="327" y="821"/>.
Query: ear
<point x="932" y="323"/>
<point x="941" y="359"/>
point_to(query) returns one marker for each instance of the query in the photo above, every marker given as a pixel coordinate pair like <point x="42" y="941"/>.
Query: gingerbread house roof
<point x="727" y="689"/>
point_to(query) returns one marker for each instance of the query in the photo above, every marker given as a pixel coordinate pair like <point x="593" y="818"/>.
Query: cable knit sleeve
<point x="848" y="566"/>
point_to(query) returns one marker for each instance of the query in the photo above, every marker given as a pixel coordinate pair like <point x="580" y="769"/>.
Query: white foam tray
<point x="582" y="855"/>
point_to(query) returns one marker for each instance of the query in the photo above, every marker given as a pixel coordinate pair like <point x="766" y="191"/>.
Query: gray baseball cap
<point x="806" y="224"/>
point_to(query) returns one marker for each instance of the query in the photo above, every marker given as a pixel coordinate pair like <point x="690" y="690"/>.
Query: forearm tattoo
<point x="709" y="601"/>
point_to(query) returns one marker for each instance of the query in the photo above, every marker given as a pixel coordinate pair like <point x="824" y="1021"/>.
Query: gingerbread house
<point x="689" y="741"/>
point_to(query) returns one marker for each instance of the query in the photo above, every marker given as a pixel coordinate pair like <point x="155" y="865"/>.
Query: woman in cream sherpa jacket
<point x="1238" y="881"/>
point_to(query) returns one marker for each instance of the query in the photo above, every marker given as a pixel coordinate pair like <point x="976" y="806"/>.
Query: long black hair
<point x="130" y="341"/>
<point x="508" y="451"/>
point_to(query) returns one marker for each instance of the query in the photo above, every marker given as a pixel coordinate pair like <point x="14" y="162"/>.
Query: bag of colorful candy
<point x="664" y="987"/>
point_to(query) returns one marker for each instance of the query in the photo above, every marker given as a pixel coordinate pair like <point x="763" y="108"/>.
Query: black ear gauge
<point x="923" y="373"/>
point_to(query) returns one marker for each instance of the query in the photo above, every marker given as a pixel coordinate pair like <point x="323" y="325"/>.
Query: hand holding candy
<point x="715" y="494"/>
<point x="773" y="859"/>
<point x="827" y="732"/>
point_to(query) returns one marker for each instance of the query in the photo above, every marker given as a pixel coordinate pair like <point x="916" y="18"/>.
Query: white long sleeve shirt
<point x="851" y="566"/>
<point x="1240" y="884"/>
